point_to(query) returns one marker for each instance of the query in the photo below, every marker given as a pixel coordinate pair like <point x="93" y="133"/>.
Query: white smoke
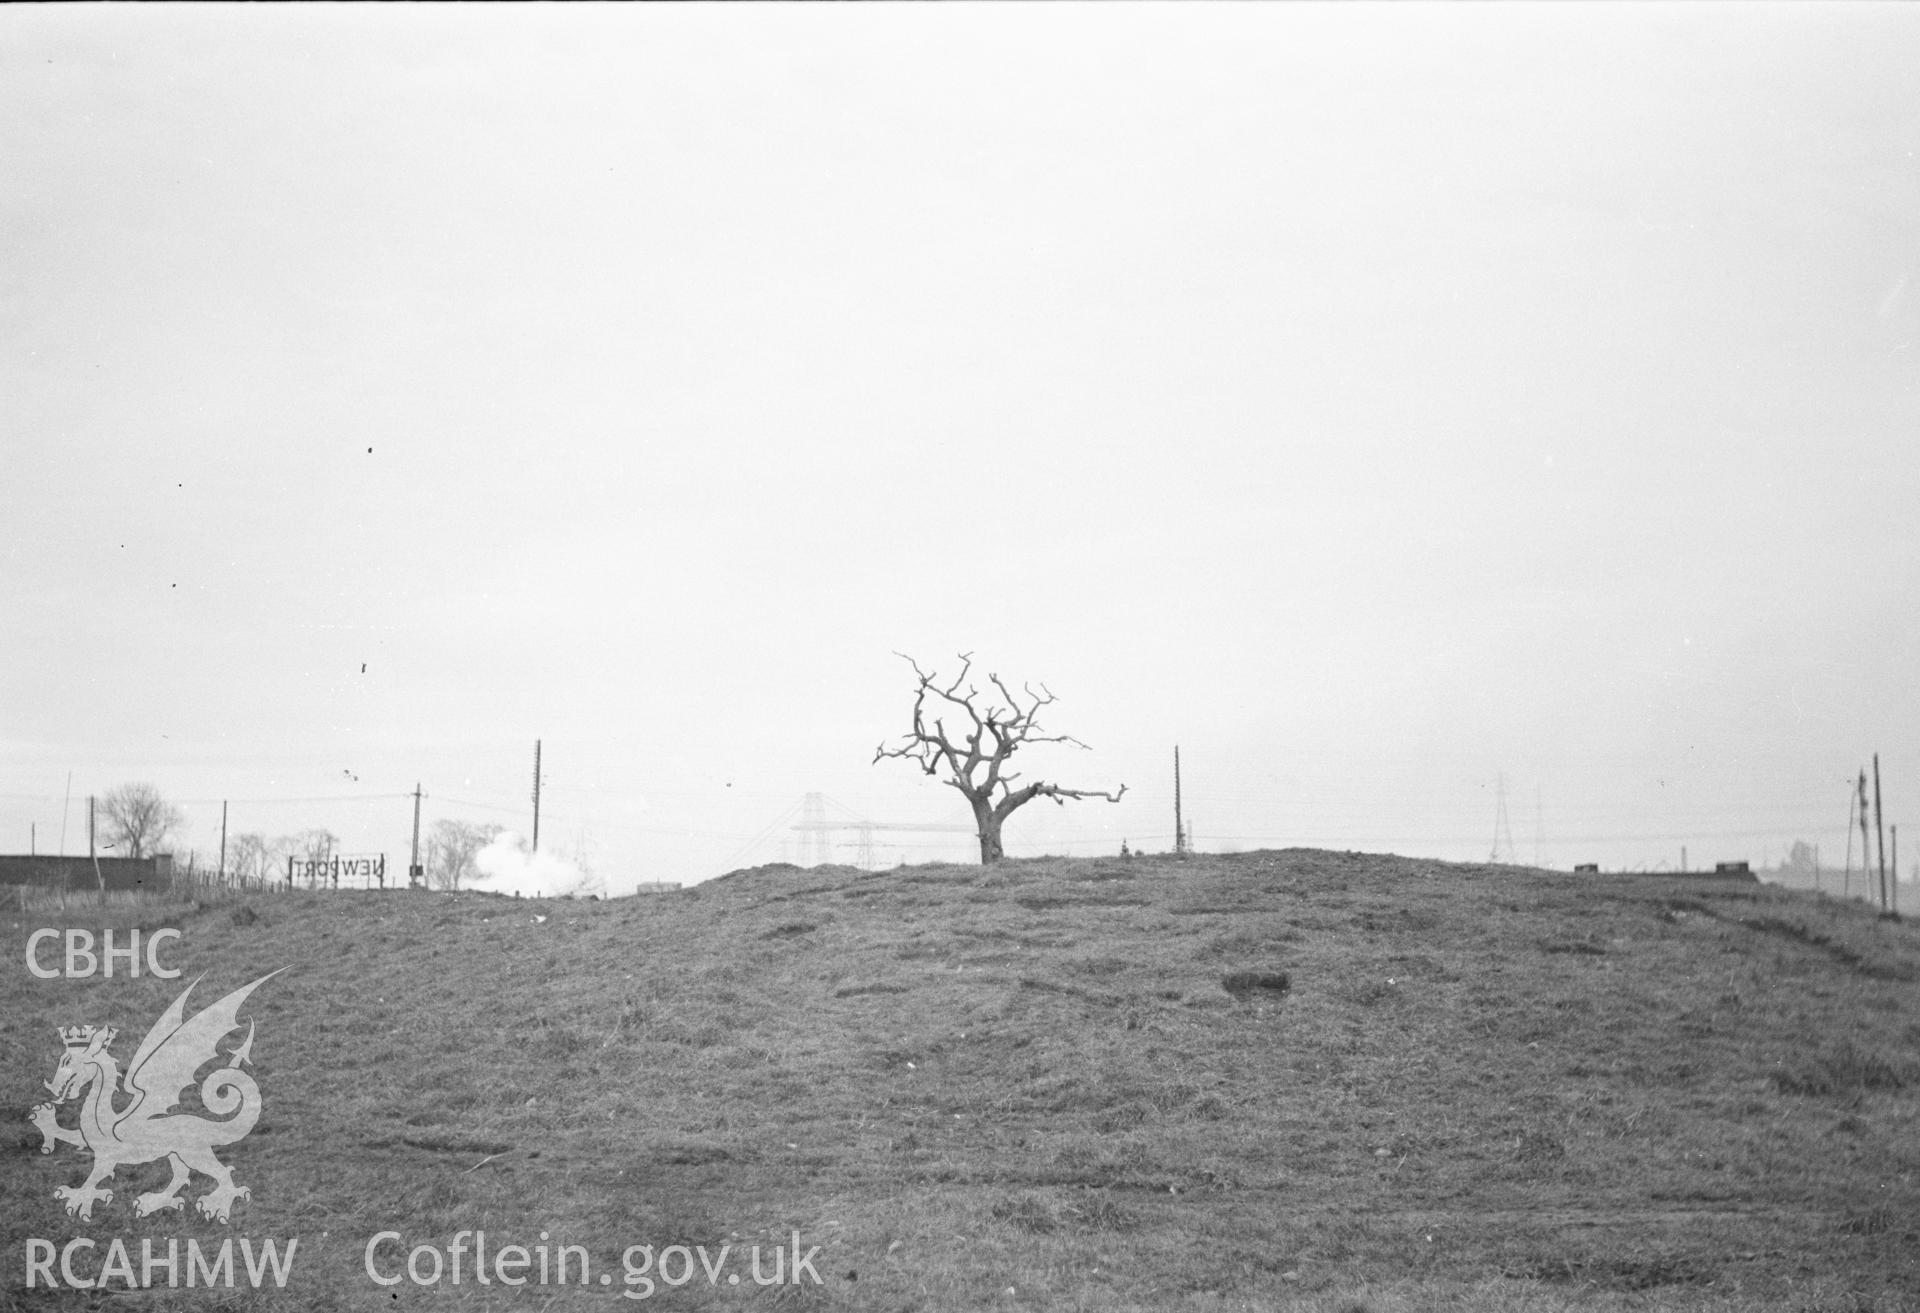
<point x="506" y="867"/>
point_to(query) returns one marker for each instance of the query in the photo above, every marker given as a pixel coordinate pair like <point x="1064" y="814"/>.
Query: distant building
<point x="80" y="873"/>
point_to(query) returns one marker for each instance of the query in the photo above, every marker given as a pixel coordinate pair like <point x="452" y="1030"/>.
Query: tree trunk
<point x="988" y="824"/>
<point x="990" y="849"/>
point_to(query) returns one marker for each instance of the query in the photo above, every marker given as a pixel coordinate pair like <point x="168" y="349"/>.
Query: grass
<point x="118" y="908"/>
<point x="1292" y="1080"/>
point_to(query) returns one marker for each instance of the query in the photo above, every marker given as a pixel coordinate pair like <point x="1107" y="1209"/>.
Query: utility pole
<point x="1894" y="832"/>
<point x="33" y="839"/>
<point x="416" y="878"/>
<point x="223" y="841"/>
<point x="98" y="875"/>
<point x="1179" y="827"/>
<point x="1683" y="859"/>
<point x="1846" y="873"/>
<point x="1879" y="825"/>
<point x="536" y="795"/>
<point x="1866" y="850"/>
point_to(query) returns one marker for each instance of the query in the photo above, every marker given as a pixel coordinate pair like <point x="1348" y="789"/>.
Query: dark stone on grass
<point x="1585" y="947"/>
<point x="447" y="1144"/>
<point x="854" y="991"/>
<point x="694" y="1154"/>
<point x="1247" y="984"/>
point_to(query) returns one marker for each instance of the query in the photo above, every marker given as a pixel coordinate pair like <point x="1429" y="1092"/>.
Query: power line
<point x="477" y="806"/>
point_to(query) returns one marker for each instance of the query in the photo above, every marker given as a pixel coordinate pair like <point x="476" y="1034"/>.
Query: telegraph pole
<point x="536" y="795"/>
<point x="98" y="876"/>
<point x="415" y="876"/>
<point x="223" y="841"/>
<point x="1881" y="829"/>
<point x="1866" y="851"/>
<point x="1846" y="872"/>
<point x="1179" y="830"/>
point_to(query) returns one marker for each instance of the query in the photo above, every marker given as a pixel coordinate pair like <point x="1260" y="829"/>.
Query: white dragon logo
<point x="147" y="1129"/>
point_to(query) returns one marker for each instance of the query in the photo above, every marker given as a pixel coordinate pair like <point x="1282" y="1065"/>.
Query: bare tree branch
<point x="997" y="733"/>
<point x="451" y="848"/>
<point x="137" y="820"/>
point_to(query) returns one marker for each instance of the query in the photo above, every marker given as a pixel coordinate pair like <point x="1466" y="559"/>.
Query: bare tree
<point x="451" y="849"/>
<point x="975" y="758"/>
<point x="315" y="845"/>
<point x="279" y="850"/>
<point x="248" y="859"/>
<point x="138" y="820"/>
<point x="256" y="859"/>
<point x="315" y="848"/>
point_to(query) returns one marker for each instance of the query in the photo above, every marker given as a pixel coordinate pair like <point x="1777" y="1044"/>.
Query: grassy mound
<point x="1277" y="1080"/>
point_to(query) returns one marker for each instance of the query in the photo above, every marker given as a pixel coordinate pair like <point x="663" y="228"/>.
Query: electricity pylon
<point x="817" y="845"/>
<point x="1502" y="832"/>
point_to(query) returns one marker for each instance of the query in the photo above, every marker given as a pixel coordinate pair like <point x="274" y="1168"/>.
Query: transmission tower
<point x="1540" y="830"/>
<point x="1502" y="832"/>
<point x="815" y="848"/>
<point x="817" y="830"/>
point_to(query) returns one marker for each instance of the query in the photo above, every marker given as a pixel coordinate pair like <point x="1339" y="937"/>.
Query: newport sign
<point x="339" y="870"/>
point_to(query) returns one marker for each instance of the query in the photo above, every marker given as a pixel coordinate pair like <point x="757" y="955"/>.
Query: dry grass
<point x="1275" y="1081"/>
<point x="118" y="908"/>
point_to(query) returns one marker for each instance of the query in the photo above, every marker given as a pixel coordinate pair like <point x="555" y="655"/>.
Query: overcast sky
<point x="1376" y="401"/>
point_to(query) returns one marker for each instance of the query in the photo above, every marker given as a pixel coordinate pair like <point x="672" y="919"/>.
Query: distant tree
<point x="974" y="757"/>
<point x="248" y="858"/>
<point x="451" y="848"/>
<point x="1800" y="858"/>
<point x="313" y="846"/>
<point x="279" y="849"/>
<point x="259" y="858"/>
<point x="138" y="820"/>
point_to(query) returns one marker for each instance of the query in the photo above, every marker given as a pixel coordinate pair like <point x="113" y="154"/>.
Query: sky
<point x="1418" y="415"/>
